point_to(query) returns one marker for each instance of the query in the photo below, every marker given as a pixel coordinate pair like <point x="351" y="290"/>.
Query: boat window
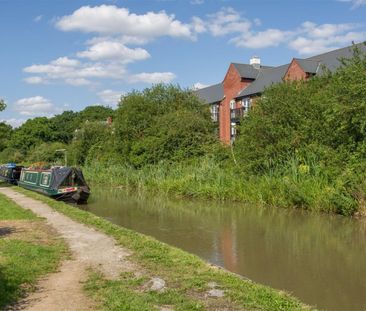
<point x="45" y="179"/>
<point x="72" y="180"/>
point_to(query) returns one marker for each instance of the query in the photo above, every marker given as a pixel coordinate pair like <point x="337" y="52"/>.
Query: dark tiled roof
<point x="211" y="94"/>
<point x="266" y="77"/>
<point x="331" y="60"/>
<point x="248" y="71"/>
<point x="308" y="65"/>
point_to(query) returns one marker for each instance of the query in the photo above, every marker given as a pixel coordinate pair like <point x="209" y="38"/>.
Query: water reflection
<point x="319" y="258"/>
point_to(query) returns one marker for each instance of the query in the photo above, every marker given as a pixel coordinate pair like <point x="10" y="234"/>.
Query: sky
<point x="66" y="55"/>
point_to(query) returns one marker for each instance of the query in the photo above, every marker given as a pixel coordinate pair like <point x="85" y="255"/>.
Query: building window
<point x="246" y="103"/>
<point x="215" y="109"/>
<point x="232" y="104"/>
<point x="233" y="129"/>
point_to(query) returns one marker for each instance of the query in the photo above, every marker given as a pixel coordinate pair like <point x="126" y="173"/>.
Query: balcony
<point x="237" y="113"/>
<point x="215" y="116"/>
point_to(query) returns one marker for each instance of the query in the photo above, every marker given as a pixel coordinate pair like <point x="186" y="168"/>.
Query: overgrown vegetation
<point x="28" y="250"/>
<point x="302" y="145"/>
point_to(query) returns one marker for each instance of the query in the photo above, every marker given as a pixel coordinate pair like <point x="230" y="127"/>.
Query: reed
<point x="291" y="185"/>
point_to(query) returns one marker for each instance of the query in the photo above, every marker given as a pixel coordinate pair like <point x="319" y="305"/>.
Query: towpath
<point x="62" y="291"/>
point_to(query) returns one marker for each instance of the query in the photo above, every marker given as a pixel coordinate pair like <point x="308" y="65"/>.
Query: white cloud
<point x="115" y="51"/>
<point x="74" y="72"/>
<point x="35" y="80"/>
<point x="308" y="38"/>
<point x="35" y="106"/>
<point x="199" y="85"/>
<point x="110" y="97"/>
<point x="66" y="62"/>
<point x="14" y="122"/>
<point x="197" y="2"/>
<point x="261" y="39"/>
<point x="314" y="39"/>
<point x="325" y="30"/>
<point x="77" y="81"/>
<point x="110" y="19"/>
<point x="153" y="77"/>
<point x="38" y="18"/>
<point x="355" y="3"/>
<point x="227" y="21"/>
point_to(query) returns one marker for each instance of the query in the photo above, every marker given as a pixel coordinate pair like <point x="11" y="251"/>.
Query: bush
<point x="163" y="123"/>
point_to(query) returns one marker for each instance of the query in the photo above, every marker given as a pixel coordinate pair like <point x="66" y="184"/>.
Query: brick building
<point x="243" y="83"/>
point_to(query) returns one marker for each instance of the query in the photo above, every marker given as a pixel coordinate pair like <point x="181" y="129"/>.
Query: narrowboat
<point x="61" y="183"/>
<point x="10" y="173"/>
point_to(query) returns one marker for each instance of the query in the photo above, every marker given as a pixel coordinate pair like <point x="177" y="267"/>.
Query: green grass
<point x="186" y="274"/>
<point x="287" y="187"/>
<point x="23" y="261"/>
<point x="10" y="211"/>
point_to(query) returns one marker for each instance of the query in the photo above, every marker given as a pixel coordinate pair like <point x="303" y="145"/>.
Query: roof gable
<point x="211" y="94"/>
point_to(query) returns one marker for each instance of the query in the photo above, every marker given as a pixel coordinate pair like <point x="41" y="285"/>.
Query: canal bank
<point x="317" y="257"/>
<point x="190" y="283"/>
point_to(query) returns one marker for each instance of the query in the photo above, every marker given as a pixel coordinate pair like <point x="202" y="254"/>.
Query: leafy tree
<point x="95" y="113"/>
<point x="5" y="134"/>
<point x="31" y="133"/>
<point x="47" y="152"/>
<point x="89" y="135"/>
<point x="162" y="123"/>
<point x="64" y="126"/>
<point x="2" y="104"/>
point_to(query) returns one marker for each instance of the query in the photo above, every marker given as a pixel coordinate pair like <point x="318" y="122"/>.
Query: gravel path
<point x="63" y="291"/>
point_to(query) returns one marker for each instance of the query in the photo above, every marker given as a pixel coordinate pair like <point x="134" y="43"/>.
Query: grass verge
<point x="28" y="251"/>
<point x="187" y="275"/>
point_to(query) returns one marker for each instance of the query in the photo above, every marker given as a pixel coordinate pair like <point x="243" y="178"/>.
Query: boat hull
<point x="74" y="197"/>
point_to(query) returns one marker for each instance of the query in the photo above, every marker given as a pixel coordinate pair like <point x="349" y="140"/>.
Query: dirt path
<point x="63" y="291"/>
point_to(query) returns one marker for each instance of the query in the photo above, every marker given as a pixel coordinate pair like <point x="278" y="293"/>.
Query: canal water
<point x="321" y="259"/>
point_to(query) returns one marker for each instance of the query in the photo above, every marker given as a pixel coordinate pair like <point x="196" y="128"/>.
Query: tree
<point x="163" y="123"/>
<point x="5" y="134"/>
<point x="64" y="126"/>
<point x="95" y="113"/>
<point x="31" y="133"/>
<point x="89" y="135"/>
<point x="2" y="104"/>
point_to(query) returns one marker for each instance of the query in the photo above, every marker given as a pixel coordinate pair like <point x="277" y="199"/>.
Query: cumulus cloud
<point x="199" y="85"/>
<point x="110" y="19"/>
<point x="261" y="39"/>
<point x="115" y="51"/>
<point x="14" y="122"/>
<point x="107" y="55"/>
<point x="153" y="77"/>
<point x="35" y="106"/>
<point x="35" y="80"/>
<point x="38" y="18"/>
<point x="308" y="38"/>
<point x="355" y="3"/>
<point x="227" y="21"/>
<point x="197" y="2"/>
<point x="73" y="72"/>
<point x="110" y="97"/>
<point x="313" y="38"/>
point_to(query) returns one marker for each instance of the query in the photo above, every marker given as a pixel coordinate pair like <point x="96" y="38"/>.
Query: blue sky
<point x="66" y="55"/>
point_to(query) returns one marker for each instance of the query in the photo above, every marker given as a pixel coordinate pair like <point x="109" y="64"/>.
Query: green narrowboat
<point x="61" y="183"/>
<point x="10" y="173"/>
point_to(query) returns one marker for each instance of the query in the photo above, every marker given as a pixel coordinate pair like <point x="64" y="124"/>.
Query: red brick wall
<point x="295" y="72"/>
<point x="232" y="85"/>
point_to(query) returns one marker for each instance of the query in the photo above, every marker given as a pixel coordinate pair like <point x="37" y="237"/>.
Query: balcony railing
<point x="215" y="116"/>
<point x="237" y="113"/>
